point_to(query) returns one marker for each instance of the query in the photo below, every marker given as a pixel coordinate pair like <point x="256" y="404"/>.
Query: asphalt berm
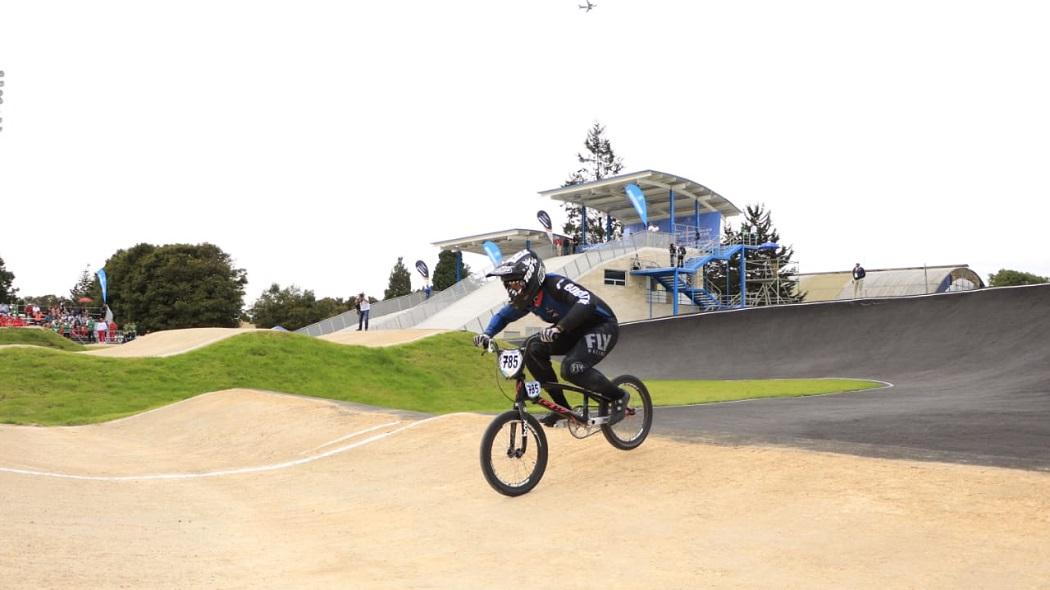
<point x="970" y="374"/>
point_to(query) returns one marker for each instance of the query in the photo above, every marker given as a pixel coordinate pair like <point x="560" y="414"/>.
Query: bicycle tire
<point x="632" y="431"/>
<point x="497" y="473"/>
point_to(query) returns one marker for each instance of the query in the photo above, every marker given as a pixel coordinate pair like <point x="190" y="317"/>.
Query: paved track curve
<point x="971" y="375"/>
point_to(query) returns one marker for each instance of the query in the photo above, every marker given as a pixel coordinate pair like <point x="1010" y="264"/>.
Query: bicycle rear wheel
<point x="513" y="453"/>
<point x="630" y="432"/>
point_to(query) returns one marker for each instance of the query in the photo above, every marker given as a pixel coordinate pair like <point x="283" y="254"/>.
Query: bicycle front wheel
<point x="513" y="453"/>
<point x="631" y="432"/>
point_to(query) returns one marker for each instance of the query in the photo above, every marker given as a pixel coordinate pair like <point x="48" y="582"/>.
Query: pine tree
<point x="599" y="162"/>
<point x="763" y="267"/>
<point x="400" y="281"/>
<point x="85" y="287"/>
<point x="445" y="271"/>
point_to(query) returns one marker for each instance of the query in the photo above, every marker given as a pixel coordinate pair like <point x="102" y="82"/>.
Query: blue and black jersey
<point x="560" y="301"/>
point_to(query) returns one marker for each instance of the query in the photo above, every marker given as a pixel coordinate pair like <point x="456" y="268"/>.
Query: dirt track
<point x="246" y="489"/>
<point x="172" y="342"/>
<point x="412" y="509"/>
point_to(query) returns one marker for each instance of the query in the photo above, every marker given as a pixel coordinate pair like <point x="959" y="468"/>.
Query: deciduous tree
<point x="175" y="286"/>
<point x="7" y="290"/>
<point x="292" y="308"/>
<point x="1012" y="278"/>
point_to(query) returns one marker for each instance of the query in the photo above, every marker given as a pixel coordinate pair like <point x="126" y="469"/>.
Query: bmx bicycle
<point x="514" y="446"/>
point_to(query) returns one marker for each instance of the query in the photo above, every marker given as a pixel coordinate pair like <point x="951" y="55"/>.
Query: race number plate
<point x="510" y="362"/>
<point x="532" y="389"/>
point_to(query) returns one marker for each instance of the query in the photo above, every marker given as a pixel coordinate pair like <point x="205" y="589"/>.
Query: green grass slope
<point x="442" y="373"/>
<point x="37" y="337"/>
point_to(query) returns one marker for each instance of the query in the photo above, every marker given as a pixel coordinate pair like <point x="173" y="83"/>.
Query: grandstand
<point x="633" y="274"/>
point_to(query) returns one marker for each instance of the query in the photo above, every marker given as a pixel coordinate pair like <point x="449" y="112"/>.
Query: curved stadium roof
<point x="890" y="282"/>
<point x="607" y="195"/>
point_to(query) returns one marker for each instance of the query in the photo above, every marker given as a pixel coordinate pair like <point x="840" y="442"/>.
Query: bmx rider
<point x="584" y="329"/>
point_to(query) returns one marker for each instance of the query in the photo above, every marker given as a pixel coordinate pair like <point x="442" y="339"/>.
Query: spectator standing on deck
<point x="681" y="256"/>
<point x="363" y="308"/>
<point x="858" y="281"/>
<point x="673" y="252"/>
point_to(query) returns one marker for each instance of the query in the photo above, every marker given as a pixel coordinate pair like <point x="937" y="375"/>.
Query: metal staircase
<point x="675" y="279"/>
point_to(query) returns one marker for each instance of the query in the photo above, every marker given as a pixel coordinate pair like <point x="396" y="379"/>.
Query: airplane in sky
<point x="588" y="7"/>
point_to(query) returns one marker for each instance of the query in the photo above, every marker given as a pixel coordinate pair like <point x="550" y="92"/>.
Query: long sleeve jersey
<point x="560" y="301"/>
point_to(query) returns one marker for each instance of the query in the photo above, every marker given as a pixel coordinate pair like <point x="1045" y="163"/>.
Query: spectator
<point x="426" y="292"/>
<point x="363" y="308"/>
<point x="858" y="281"/>
<point x="681" y="256"/>
<point x="673" y="251"/>
<point x="101" y="327"/>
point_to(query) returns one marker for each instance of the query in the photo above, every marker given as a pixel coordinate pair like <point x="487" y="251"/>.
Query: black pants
<point x="582" y="349"/>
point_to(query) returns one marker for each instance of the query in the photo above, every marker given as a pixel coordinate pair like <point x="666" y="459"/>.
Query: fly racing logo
<point x="598" y="343"/>
<point x="581" y="294"/>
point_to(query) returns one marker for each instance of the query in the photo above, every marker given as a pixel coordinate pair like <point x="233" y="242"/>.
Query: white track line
<point x="352" y="435"/>
<point x="239" y="471"/>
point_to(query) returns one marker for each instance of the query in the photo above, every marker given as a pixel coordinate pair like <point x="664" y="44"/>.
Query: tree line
<point x="173" y="286"/>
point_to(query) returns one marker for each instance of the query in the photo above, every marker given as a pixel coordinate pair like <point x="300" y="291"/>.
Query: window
<point x="616" y="277"/>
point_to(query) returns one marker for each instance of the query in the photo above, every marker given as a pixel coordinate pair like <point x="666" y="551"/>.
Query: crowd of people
<point x="80" y="325"/>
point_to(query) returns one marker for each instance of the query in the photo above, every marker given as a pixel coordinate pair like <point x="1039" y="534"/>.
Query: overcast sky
<point x="315" y="142"/>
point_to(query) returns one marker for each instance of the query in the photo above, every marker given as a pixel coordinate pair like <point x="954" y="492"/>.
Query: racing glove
<point x="481" y="341"/>
<point x="548" y="334"/>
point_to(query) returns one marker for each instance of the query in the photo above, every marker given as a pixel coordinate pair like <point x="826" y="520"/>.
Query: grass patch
<point x="440" y="374"/>
<point x="673" y="393"/>
<point x="37" y="337"/>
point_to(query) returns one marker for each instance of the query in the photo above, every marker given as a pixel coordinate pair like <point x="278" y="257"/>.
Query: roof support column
<point x="743" y="276"/>
<point x="674" y="306"/>
<point x="670" y="193"/>
<point x="583" y="225"/>
<point x="459" y="265"/>
<point x="696" y="221"/>
<point x="608" y="227"/>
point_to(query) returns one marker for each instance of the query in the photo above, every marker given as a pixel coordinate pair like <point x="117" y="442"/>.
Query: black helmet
<point x="522" y="276"/>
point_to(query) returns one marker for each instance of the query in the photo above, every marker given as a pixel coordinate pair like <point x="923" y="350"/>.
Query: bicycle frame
<point x="523" y="395"/>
